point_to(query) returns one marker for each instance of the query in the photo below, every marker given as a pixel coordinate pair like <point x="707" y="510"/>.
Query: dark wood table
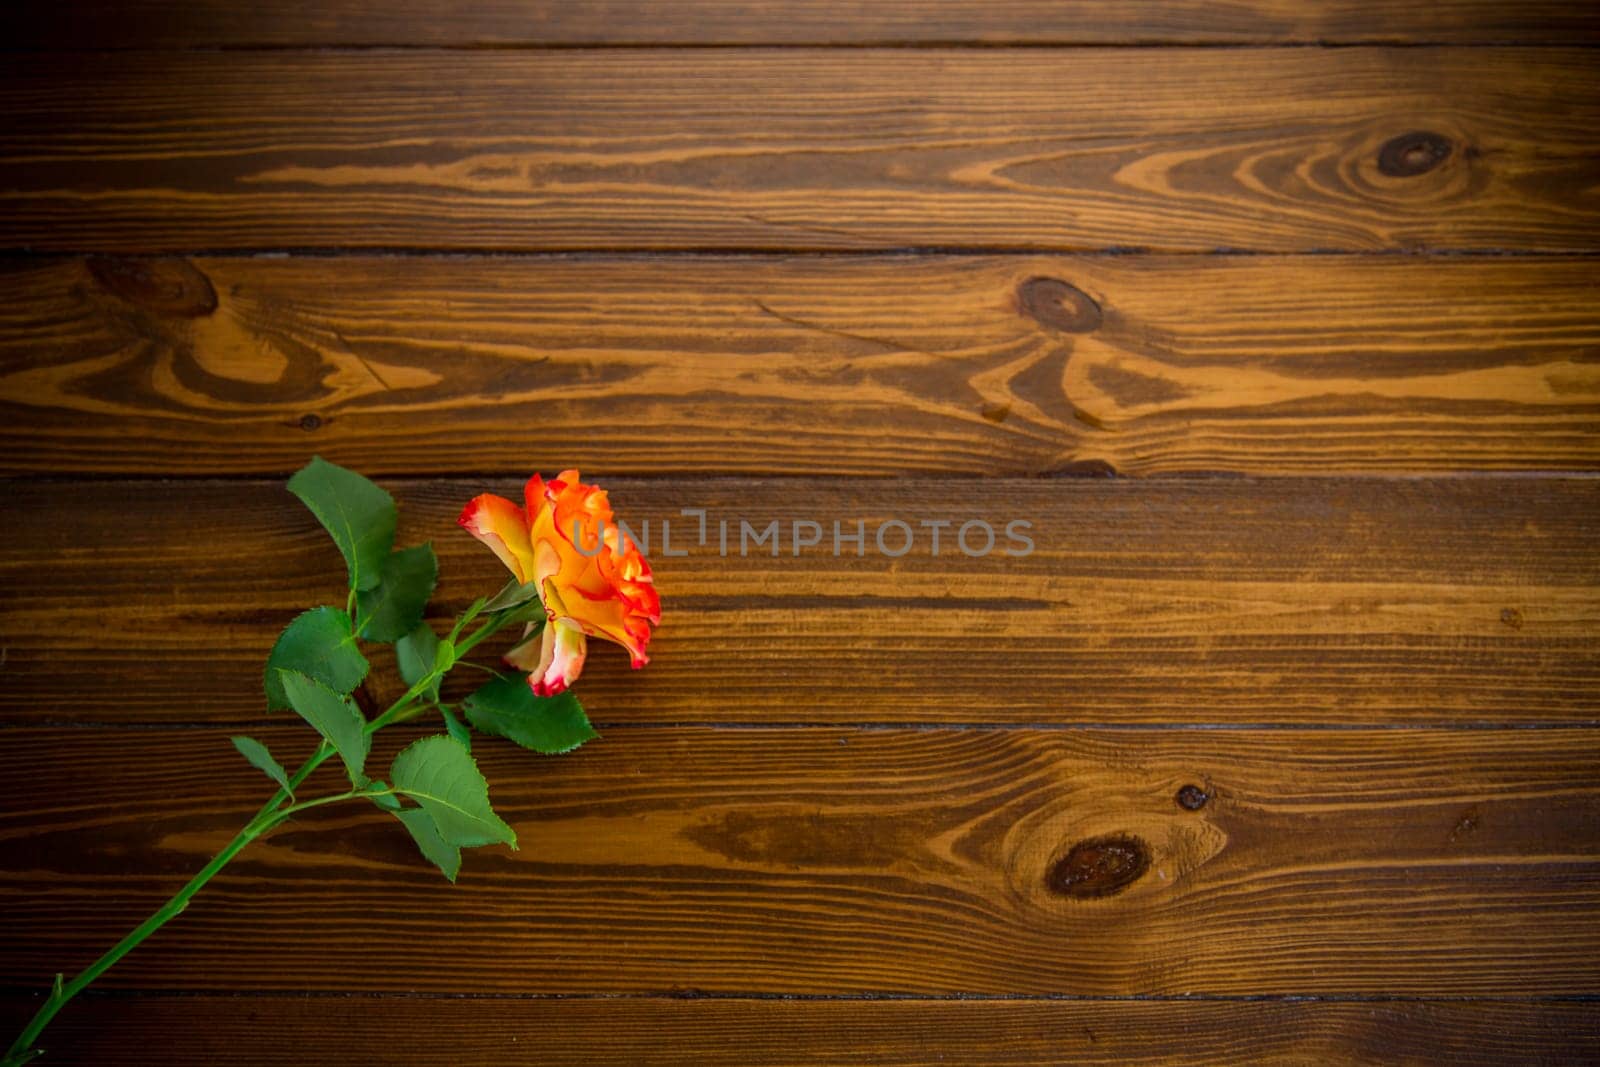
<point x="1277" y="321"/>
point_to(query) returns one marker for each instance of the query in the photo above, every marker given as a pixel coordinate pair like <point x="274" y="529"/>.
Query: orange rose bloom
<point x="596" y="590"/>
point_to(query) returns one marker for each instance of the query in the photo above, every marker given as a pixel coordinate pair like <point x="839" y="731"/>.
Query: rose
<point x="591" y="580"/>
<point x="590" y="584"/>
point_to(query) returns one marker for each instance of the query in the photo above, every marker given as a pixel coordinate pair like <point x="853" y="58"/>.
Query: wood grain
<point x="867" y="365"/>
<point x="832" y="861"/>
<point x="1351" y="149"/>
<point x="177" y="1031"/>
<point x="287" y="23"/>
<point x="1220" y="601"/>
<point x="1228" y="769"/>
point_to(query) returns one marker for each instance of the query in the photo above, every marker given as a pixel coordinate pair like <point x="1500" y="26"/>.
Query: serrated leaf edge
<point x="405" y="815"/>
<point x="366" y="621"/>
<point x="443" y="803"/>
<point x="356" y="577"/>
<point x="273" y="770"/>
<point x="357" y="772"/>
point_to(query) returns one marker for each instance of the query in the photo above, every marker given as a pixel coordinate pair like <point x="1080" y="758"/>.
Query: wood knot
<point x="1464" y="825"/>
<point x="310" y="423"/>
<point x="1054" y="303"/>
<point x="1099" y="867"/>
<point x="1084" y="468"/>
<point x="1192" y="798"/>
<point x="1511" y="617"/>
<point x="167" y="286"/>
<point x="1412" y="154"/>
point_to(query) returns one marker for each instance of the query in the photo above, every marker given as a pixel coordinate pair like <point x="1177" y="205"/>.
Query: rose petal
<point x="563" y="650"/>
<point x="503" y="526"/>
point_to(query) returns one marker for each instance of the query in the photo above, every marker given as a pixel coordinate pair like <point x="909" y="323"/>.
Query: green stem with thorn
<point x="271" y="815"/>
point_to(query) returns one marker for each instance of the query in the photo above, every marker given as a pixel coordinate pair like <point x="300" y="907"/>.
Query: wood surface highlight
<point x="875" y="365"/>
<point x="1462" y="601"/>
<point x="1277" y="320"/>
<point x="1157" y="149"/>
<point x="840" y="861"/>
<point x="133" y="24"/>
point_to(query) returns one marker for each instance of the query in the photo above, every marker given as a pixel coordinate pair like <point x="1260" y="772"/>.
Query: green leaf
<point x="393" y="607"/>
<point x="441" y="853"/>
<point x="386" y="801"/>
<point x="334" y="717"/>
<point x="420" y="653"/>
<point x="456" y="728"/>
<point x="358" y="515"/>
<point x="507" y="708"/>
<point x="416" y="653"/>
<point x="262" y="760"/>
<point x="441" y="776"/>
<point x="319" y="644"/>
<point x="512" y="595"/>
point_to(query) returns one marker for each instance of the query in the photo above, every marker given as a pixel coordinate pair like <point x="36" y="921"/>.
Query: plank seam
<point x="89" y="478"/>
<point x="886" y="997"/>
<point x="916" y="726"/>
<point x="887" y="44"/>
<point x="739" y="252"/>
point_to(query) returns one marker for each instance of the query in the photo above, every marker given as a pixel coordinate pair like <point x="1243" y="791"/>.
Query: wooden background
<point x="1278" y="319"/>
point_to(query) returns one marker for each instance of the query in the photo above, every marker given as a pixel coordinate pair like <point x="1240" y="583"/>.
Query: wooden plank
<point x="1219" y="601"/>
<point x="176" y="1031"/>
<point x="829" y="861"/>
<point x="808" y="365"/>
<point x="1352" y="149"/>
<point x="291" y="23"/>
